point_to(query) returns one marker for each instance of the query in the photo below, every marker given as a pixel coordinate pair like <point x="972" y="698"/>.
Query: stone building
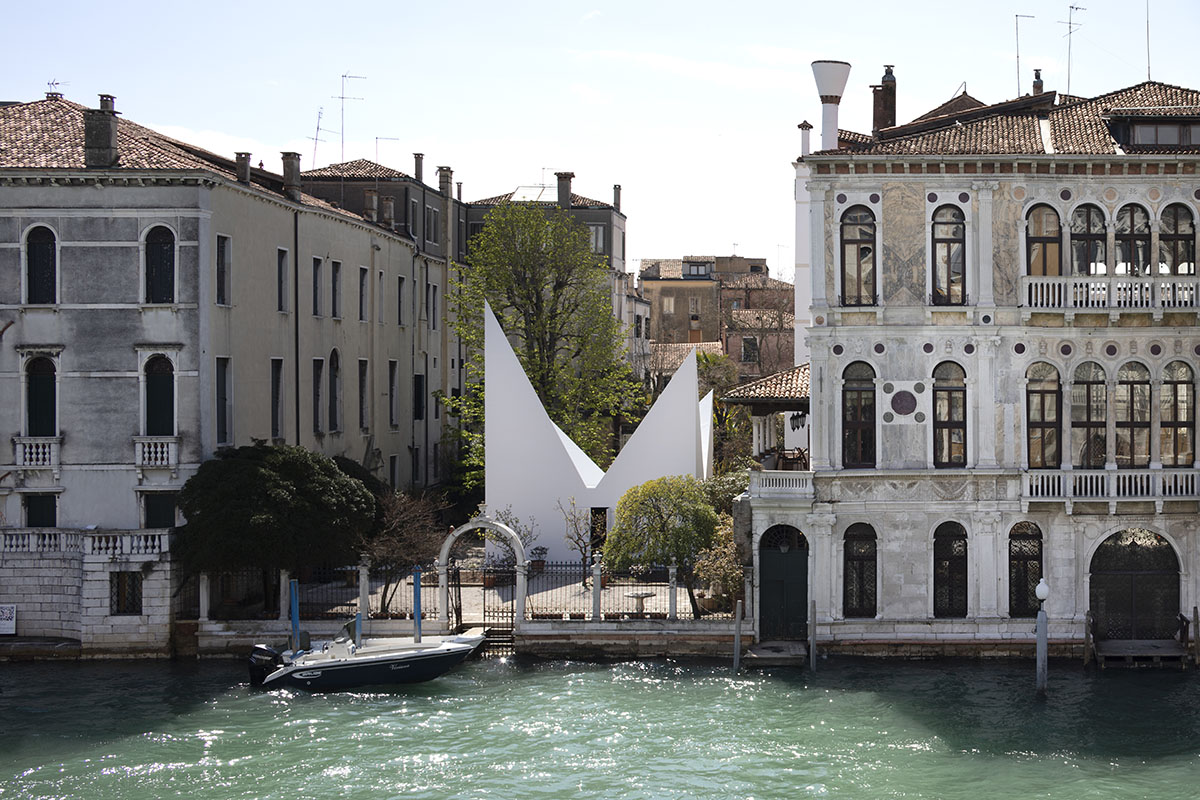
<point x="1004" y="352"/>
<point x="158" y="302"/>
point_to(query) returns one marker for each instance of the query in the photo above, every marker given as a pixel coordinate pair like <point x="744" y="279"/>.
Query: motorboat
<point x="343" y="663"/>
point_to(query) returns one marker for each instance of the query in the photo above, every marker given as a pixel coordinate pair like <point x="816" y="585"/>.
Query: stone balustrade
<point x="1110" y="293"/>
<point x="781" y="484"/>
<point x="1105" y="485"/>
<point x="33" y="540"/>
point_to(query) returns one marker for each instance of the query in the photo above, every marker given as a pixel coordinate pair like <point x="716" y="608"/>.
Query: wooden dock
<point x="1141" y="653"/>
<point x="776" y="654"/>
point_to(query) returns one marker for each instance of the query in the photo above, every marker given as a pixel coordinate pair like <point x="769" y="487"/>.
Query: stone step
<point x="776" y="654"/>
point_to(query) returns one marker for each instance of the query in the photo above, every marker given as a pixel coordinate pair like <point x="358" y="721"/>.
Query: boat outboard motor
<point x="263" y="661"/>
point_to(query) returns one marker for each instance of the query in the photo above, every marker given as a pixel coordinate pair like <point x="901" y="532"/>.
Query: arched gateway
<point x="1135" y="586"/>
<point x="783" y="584"/>
<point x="518" y="549"/>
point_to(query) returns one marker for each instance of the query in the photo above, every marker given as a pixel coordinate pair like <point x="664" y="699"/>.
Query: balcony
<point x="37" y="452"/>
<point x="777" y="484"/>
<point x="1111" y="294"/>
<point x="155" y="452"/>
<point x="1111" y="486"/>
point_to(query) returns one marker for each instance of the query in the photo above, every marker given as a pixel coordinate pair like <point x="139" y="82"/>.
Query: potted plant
<point x="537" y="559"/>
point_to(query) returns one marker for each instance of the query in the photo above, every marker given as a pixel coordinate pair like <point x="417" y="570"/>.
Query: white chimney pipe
<point x="831" y="82"/>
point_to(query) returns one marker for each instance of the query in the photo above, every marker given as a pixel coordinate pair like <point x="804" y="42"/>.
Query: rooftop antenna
<point x="1017" y="24"/>
<point x="1072" y="26"/>
<point x="343" y="97"/>
<point x="962" y="89"/>
<point x="54" y="84"/>
<point x="1147" y="39"/>
<point x="316" y="137"/>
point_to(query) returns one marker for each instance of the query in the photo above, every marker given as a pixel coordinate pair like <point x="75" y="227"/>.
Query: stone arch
<point x="1134" y="585"/>
<point x="522" y="567"/>
<point x="782" y="551"/>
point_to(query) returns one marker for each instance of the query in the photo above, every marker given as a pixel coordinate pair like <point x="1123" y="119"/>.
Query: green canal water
<point x="499" y="729"/>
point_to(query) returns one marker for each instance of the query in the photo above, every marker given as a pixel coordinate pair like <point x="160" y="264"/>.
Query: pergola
<point x="782" y="393"/>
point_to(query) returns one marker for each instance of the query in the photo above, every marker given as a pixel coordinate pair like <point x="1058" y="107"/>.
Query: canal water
<point x="660" y="729"/>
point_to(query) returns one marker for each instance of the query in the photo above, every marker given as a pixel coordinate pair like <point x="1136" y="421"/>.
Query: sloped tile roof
<point x="577" y="201"/>
<point x="667" y="356"/>
<point x="1078" y="126"/>
<point x="48" y="134"/>
<point x="662" y="268"/>
<point x="358" y="169"/>
<point x="790" y="384"/>
<point x="750" y="319"/>
<point x="853" y="137"/>
<point x="955" y="105"/>
<point x="754" y="280"/>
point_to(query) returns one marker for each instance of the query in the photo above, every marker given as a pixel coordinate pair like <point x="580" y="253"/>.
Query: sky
<point x="691" y="107"/>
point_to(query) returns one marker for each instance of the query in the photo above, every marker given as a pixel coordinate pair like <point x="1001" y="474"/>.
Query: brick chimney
<point x="389" y="212"/>
<point x="370" y="204"/>
<point x="564" y="189"/>
<point x="419" y="167"/>
<point x="1037" y="81"/>
<point x="884" y="101"/>
<point x="100" y="135"/>
<point x="617" y="196"/>
<point x="243" y="167"/>
<point x="805" y="137"/>
<point x="458" y="186"/>
<point x="291" y="176"/>
<point x="445" y="181"/>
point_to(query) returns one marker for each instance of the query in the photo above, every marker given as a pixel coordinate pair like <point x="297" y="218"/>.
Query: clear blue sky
<point x="691" y="106"/>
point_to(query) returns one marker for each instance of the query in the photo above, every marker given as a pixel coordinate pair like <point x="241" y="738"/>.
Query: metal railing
<point x="568" y="591"/>
<point x="390" y="594"/>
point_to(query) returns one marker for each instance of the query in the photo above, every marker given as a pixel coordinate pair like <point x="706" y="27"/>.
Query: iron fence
<point x="559" y="590"/>
<point x="249" y="593"/>
<point x="392" y="589"/>
<point x="565" y="590"/>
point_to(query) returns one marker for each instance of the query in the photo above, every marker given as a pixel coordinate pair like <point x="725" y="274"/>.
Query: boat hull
<point x="374" y="671"/>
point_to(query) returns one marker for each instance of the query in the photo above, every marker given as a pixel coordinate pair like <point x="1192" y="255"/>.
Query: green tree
<point x="719" y="565"/>
<point x="663" y="521"/>
<point x="550" y="293"/>
<point x="270" y="507"/>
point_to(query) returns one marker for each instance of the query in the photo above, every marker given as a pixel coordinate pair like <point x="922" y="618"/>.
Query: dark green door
<point x="783" y="583"/>
<point x="1135" y="586"/>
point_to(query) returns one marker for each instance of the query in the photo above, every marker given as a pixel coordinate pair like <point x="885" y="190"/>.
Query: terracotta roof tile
<point x="955" y="105"/>
<point x="668" y="356"/>
<point x="757" y="319"/>
<point x="790" y="384"/>
<point x="577" y="201"/>
<point x="754" y="280"/>
<point x="359" y="169"/>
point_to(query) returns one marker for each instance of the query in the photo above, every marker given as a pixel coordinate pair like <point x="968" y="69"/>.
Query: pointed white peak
<point x="704" y="455"/>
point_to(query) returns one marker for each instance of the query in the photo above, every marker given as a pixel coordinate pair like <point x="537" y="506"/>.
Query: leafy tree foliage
<point x="270" y="507"/>
<point x="663" y="521"/>
<point x="720" y="565"/>
<point x="550" y="293"/>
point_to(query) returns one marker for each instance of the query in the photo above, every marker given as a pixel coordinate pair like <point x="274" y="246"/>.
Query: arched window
<point x="41" y="256"/>
<point x="858" y="583"/>
<point x="1177" y="241"/>
<point x="1089" y="413"/>
<point x="160" y="397"/>
<point x="949" y="256"/>
<point x="949" y="415"/>
<point x="1024" y="569"/>
<point x="1088" y="241"/>
<point x="1043" y="242"/>
<point x="335" y="392"/>
<point x="41" y="406"/>
<point x="1133" y="240"/>
<point x="1043" y="404"/>
<point x="950" y="570"/>
<point x="858" y="257"/>
<point x="160" y="265"/>
<point x="1132" y="406"/>
<point x="1178" y="406"/>
<point x="858" y="415"/>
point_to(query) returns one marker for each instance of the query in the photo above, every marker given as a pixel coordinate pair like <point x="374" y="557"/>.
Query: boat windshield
<point x="346" y="634"/>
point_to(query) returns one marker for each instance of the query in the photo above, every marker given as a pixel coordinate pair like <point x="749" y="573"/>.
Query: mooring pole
<point x="812" y="635"/>
<point x="417" y="604"/>
<point x="294" y="590"/>
<point x="1042" y="591"/>
<point x="737" y="636"/>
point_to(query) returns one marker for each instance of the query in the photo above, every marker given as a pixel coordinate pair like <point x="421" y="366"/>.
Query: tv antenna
<point x="1072" y="26"/>
<point x="53" y="84"/>
<point x="1147" y="39"/>
<point x="316" y="137"/>
<point x="1017" y="25"/>
<point x="346" y="76"/>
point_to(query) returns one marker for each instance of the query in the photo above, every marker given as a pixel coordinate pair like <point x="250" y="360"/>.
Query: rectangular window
<point x="412" y="218"/>
<point x="693" y="305"/>
<point x="224" y="264"/>
<point x="364" y="397"/>
<point x="224" y="402"/>
<point x="362" y="294"/>
<point x="281" y="279"/>
<point x="637" y="326"/>
<point x="316" y="287"/>
<point x="379" y="314"/>
<point x="418" y="397"/>
<point x="474" y="229"/>
<point x="596" y="233"/>
<point x="668" y="305"/>
<point x="400" y="300"/>
<point x="431" y="224"/>
<point x="394" y="472"/>
<point x="433" y="307"/>
<point x="276" y="398"/>
<point x="318" y="380"/>
<point x="41" y="510"/>
<point x="125" y="593"/>
<point x="749" y="349"/>
<point x="158" y="509"/>
<point x="335" y="296"/>
<point x="393" y="393"/>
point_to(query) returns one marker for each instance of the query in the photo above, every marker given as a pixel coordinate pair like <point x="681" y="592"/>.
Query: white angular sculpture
<point x="531" y="465"/>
